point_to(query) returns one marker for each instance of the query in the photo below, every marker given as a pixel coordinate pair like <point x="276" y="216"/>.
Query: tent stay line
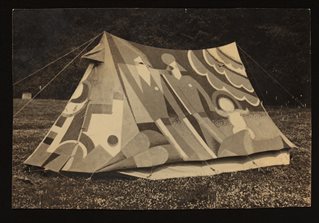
<point x="273" y="78"/>
<point x="101" y="149"/>
<point x="269" y="75"/>
<point x="52" y="62"/>
<point x="259" y="89"/>
<point x="255" y="81"/>
<point x="49" y="82"/>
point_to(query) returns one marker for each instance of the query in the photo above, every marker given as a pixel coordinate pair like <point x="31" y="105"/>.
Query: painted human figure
<point x="142" y="79"/>
<point x="187" y="88"/>
<point x="234" y="115"/>
<point x="190" y="93"/>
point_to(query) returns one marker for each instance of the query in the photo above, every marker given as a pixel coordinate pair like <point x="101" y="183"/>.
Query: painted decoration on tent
<point x="139" y="106"/>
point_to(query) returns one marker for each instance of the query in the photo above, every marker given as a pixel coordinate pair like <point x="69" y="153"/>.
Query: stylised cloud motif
<point x="217" y="84"/>
<point x="237" y="80"/>
<point x="230" y="58"/>
<point x="228" y="63"/>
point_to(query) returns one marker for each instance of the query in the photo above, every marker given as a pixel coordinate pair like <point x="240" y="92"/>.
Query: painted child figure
<point x="234" y="115"/>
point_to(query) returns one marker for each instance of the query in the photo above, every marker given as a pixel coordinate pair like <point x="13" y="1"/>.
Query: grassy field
<point x="281" y="186"/>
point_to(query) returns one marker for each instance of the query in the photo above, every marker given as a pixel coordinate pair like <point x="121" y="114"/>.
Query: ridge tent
<point x="162" y="113"/>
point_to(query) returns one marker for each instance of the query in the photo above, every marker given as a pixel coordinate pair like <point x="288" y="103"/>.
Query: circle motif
<point x="112" y="140"/>
<point x="226" y="104"/>
<point x="223" y="94"/>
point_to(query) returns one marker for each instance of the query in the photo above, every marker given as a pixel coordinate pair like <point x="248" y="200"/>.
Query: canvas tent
<point x="162" y="113"/>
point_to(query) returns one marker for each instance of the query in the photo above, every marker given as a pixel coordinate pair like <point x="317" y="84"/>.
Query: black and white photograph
<point x="161" y="108"/>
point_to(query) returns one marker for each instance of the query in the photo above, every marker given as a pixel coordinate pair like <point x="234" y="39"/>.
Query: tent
<point x="162" y="113"/>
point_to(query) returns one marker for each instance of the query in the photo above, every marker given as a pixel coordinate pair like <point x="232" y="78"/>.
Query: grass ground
<point x="281" y="186"/>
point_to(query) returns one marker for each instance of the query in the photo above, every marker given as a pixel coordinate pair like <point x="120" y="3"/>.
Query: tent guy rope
<point x="111" y="134"/>
<point x="52" y="62"/>
<point x="255" y="82"/>
<point x="269" y="75"/>
<point x="68" y="64"/>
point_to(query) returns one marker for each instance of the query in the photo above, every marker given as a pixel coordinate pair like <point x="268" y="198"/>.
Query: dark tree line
<point x="278" y="39"/>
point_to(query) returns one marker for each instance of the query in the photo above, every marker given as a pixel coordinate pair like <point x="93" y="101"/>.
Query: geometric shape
<point x="223" y="96"/>
<point x="112" y="140"/>
<point x="84" y="94"/>
<point x="51" y="157"/>
<point x="146" y="100"/>
<point x="155" y="138"/>
<point x="184" y="143"/>
<point x="195" y="124"/>
<point x="239" y="144"/>
<point x="137" y="145"/>
<point x="71" y="109"/>
<point x="60" y="121"/>
<point x="226" y="104"/>
<point x="93" y="108"/>
<point x="74" y="129"/>
<point x="140" y="107"/>
<point x="218" y="84"/>
<point x="167" y="58"/>
<point x="103" y="125"/>
<point x="230" y="50"/>
<point x="226" y="61"/>
<point x="210" y="140"/>
<point x="102" y="85"/>
<point x="48" y="140"/>
<point x="170" y="110"/>
<point x="199" y="139"/>
<point x="192" y="139"/>
<point x="173" y="155"/>
<point x="128" y="124"/>
<point x="66" y="148"/>
<point x="174" y="98"/>
<point x="171" y="138"/>
<point x="231" y="73"/>
<point x="152" y="157"/>
<point x="99" y="108"/>
<point x="78" y="153"/>
<point x="123" y="164"/>
<point x="87" y="142"/>
<point x="39" y="156"/>
<point x="57" y="164"/>
<point x="210" y="127"/>
<point x="147" y="126"/>
<point x="51" y="135"/>
<point x="95" y="160"/>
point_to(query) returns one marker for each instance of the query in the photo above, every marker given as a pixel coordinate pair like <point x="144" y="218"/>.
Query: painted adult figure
<point x="188" y="91"/>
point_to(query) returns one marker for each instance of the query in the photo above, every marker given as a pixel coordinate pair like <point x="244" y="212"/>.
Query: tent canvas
<point x="162" y="113"/>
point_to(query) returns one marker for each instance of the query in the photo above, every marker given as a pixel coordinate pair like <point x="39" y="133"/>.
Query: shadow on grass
<point x="75" y="175"/>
